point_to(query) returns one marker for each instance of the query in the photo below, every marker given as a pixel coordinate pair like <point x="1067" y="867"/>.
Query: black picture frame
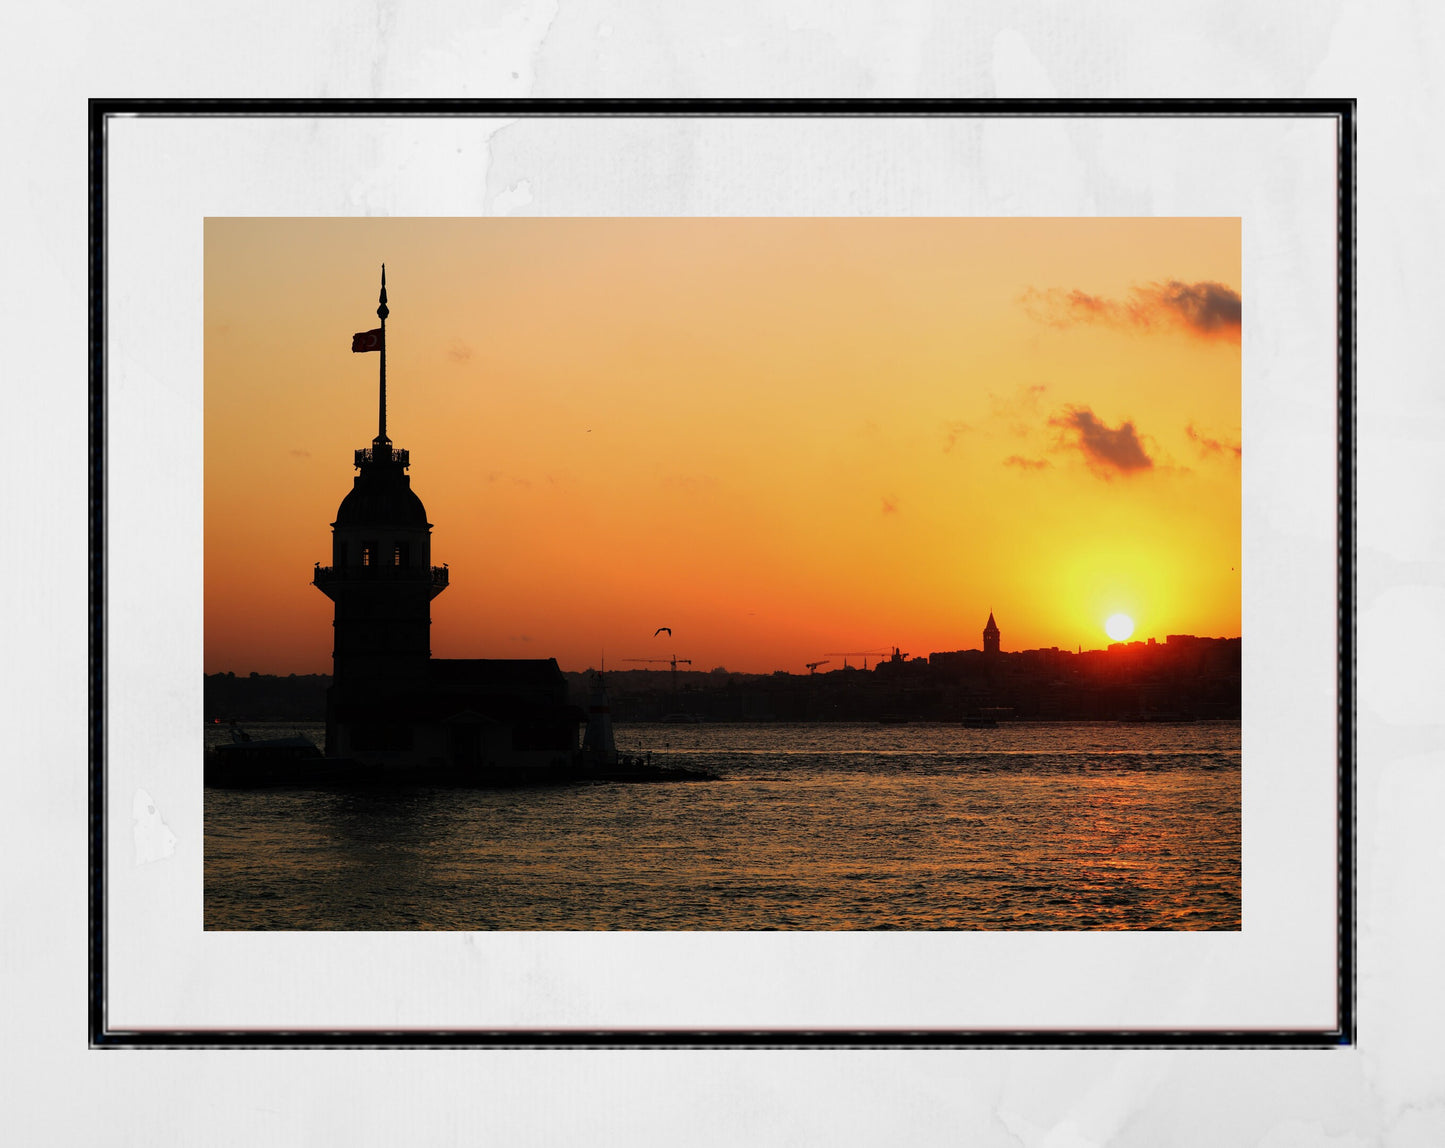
<point x="102" y="1035"/>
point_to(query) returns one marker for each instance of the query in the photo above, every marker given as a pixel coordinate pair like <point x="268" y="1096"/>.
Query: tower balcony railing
<point x="436" y="576"/>
<point x="369" y="454"/>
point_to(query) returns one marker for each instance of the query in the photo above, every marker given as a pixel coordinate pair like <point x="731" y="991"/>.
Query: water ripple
<point x="809" y="827"/>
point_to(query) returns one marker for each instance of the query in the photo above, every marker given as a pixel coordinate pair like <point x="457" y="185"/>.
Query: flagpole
<point x="382" y="313"/>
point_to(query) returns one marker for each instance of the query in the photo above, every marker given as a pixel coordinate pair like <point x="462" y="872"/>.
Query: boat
<point x="247" y="763"/>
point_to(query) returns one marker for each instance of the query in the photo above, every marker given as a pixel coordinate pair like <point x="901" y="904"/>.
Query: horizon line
<point x="1071" y="651"/>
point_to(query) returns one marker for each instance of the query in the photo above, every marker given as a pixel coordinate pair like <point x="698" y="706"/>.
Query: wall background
<point x="1387" y="1090"/>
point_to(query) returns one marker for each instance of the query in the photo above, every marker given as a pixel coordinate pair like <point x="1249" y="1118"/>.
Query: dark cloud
<point x="890" y="505"/>
<point x="298" y="453"/>
<point x="459" y="352"/>
<point x="1211" y="446"/>
<point x="1108" y="450"/>
<point x="1209" y="310"/>
<point x="1022" y="463"/>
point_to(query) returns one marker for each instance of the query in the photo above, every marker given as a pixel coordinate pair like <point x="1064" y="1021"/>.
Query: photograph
<point x="722" y="573"/>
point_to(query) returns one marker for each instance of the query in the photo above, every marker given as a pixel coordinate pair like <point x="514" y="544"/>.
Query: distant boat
<point x="893" y="719"/>
<point x="979" y="723"/>
<point x="681" y="719"/>
<point x="282" y="760"/>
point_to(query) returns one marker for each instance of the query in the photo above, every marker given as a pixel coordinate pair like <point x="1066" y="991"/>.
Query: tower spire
<point x="381" y="313"/>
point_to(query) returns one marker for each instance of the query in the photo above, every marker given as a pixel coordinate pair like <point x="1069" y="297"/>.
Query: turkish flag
<point x="366" y="341"/>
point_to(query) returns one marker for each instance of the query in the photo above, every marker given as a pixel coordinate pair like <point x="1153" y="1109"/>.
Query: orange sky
<point x="779" y="437"/>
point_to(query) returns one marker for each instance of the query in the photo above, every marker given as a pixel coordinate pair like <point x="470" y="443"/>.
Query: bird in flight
<point x="663" y="629"/>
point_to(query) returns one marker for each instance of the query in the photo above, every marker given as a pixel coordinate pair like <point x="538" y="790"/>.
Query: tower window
<point x="368" y="553"/>
<point x="399" y="556"/>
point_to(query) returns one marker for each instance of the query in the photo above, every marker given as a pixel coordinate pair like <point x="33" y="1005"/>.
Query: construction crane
<point x="813" y="666"/>
<point x="673" y="661"/>
<point x="864" y="654"/>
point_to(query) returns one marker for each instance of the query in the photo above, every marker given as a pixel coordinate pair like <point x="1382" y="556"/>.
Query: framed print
<point x="722" y="573"/>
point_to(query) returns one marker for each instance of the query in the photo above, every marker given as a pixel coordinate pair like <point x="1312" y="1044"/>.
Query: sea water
<point x="847" y="826"/>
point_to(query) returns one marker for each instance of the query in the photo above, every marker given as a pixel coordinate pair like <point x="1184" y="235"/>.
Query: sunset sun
<point x="1119" y="627"/>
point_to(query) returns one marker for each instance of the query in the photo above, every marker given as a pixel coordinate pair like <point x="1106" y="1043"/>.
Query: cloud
<point x="1206" y="309"/>
<point x="1020" y="409"/>
<point x="515" y="479"/>
<point x="1022" y="463"/>
<point x="298" y="453"/>
<point x="890" y="505"/>
<point x="954" y="429"/>
<point x="1211" y="446"/>
<point x="1023" y="400"/>
<point x="1107" y="450"/>
<point x="459" y="352"/>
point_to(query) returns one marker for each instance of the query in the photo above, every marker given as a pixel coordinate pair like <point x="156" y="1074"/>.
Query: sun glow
<point x="1119" y="627"/>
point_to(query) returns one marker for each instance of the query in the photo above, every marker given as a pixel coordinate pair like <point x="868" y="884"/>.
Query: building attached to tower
<point x="391" y="703"/>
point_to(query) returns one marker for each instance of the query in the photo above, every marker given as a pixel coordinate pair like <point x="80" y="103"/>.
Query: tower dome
<point x="381" y="495"/>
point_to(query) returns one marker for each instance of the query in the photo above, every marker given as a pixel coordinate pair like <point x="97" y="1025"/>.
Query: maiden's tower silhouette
<point x="391" y="704"/>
